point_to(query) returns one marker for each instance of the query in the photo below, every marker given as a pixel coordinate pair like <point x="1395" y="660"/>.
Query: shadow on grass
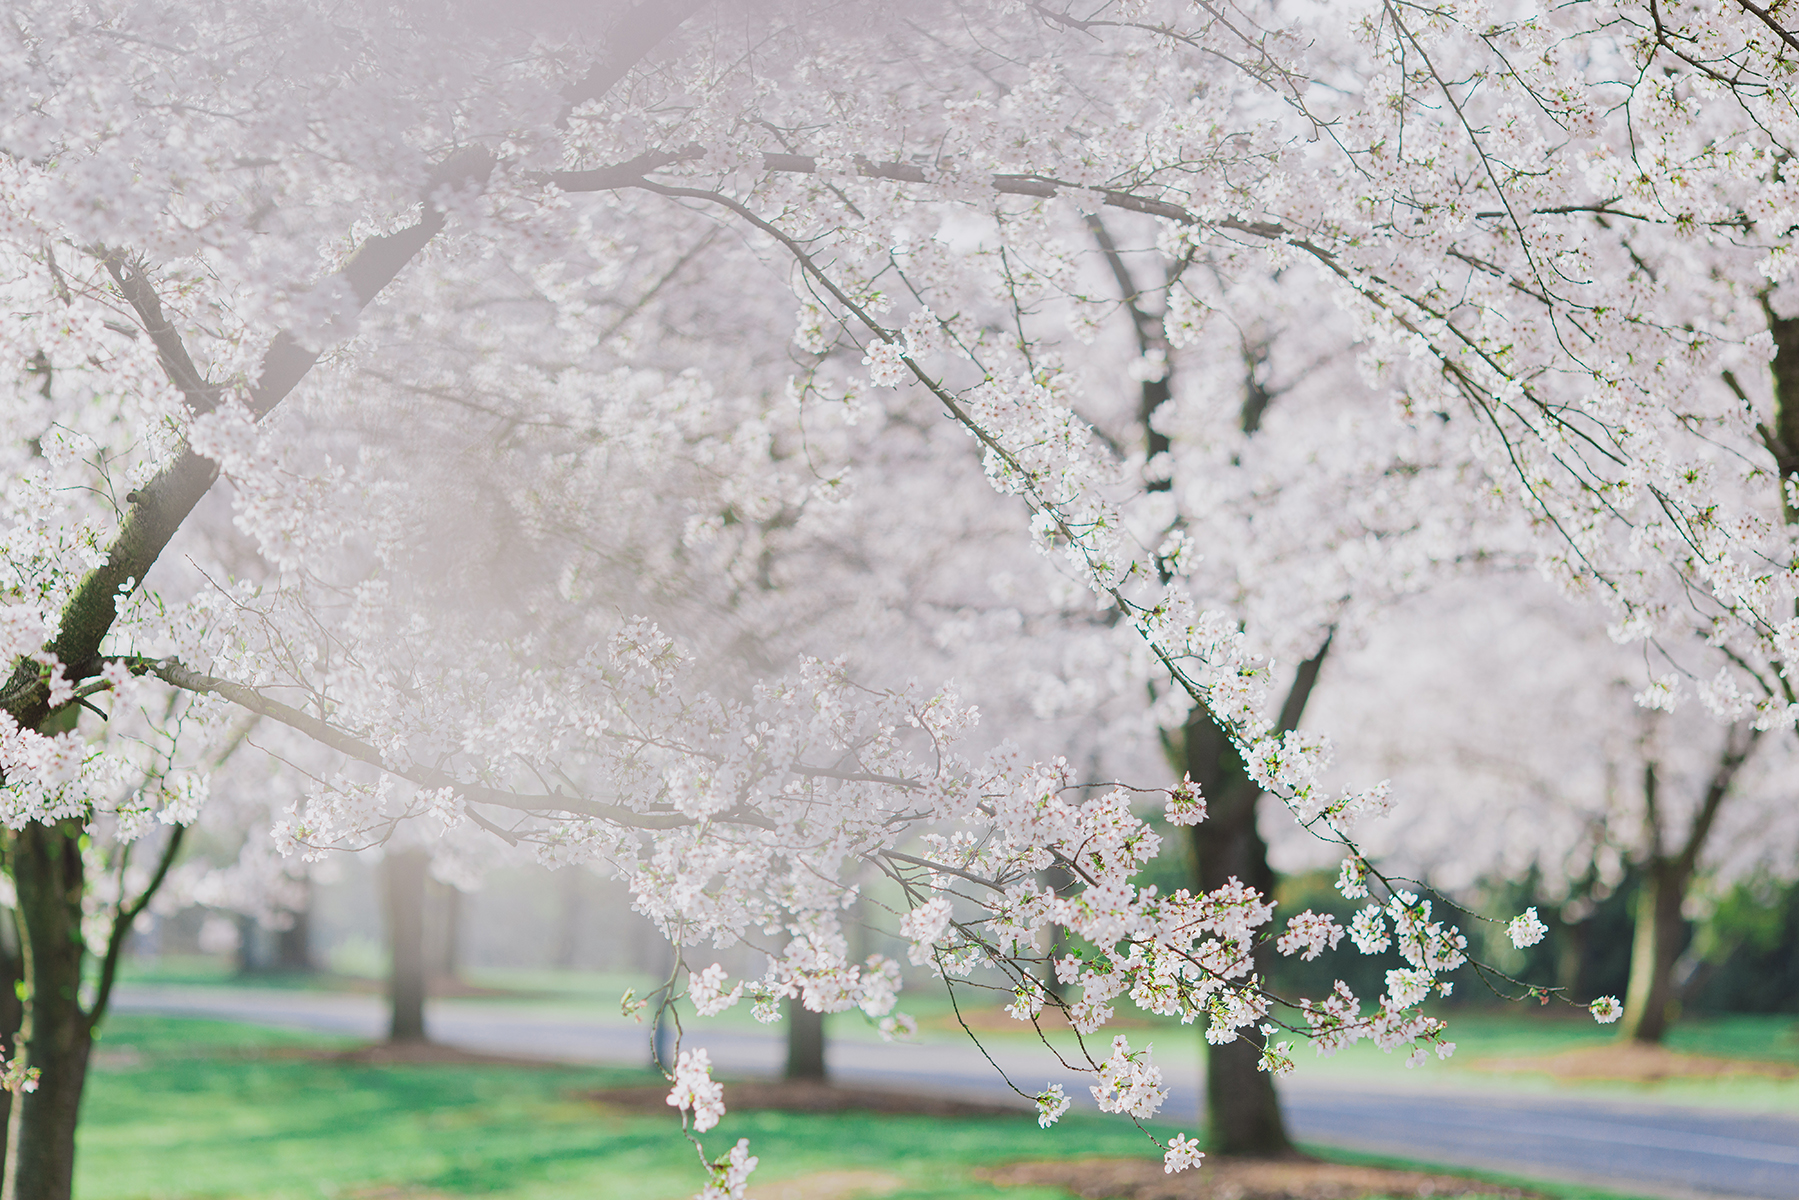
<point x="196" y="1108"/>
<point x="199" y="1108"/>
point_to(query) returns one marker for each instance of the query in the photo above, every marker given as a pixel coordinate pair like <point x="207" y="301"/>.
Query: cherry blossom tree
<point x="1554" y="771"/>
<point x="249" y="243"/>
<point x="1275" y="493"/>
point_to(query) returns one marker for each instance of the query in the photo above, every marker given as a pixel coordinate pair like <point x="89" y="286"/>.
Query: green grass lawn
<point x="194" y="1108"/>
<point x="180" y="1107"/>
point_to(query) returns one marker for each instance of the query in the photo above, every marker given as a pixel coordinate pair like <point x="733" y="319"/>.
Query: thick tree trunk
<point x="47" y="871"/>
<point x="1243" y="1112"/>
<point x="1649" y="1001"/>
<point x="805" y="1042"/>
<point x="404" y="876"/>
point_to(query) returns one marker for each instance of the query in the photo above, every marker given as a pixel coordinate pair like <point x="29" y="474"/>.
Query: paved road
<point x="1667" y="1151"/>
<point x="1647" y="1149"/>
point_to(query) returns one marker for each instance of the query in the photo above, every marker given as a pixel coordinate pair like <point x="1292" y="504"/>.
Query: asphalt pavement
<point x="1631" y="1147"/>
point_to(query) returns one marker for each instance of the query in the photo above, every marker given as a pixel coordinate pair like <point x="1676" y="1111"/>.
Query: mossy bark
<point x="1649" y="1006"/>
<point x="47" y="872"/>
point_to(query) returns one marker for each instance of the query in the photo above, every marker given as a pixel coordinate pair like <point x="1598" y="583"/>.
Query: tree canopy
<point x="584" y="426"/>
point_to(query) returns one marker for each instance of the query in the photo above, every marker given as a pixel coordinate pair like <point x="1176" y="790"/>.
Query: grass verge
<point x="193" y="1108"/>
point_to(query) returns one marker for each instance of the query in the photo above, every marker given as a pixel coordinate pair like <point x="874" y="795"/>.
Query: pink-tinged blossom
<point x="1662" y="693"/>
<point x="1051" y="1104"/>
<point x="1606" y="1009"/>
<point x="1185" y="805"/>
<point x="1368" y="930"/>
<point x="1335" y="1021"/>
<point x="1526" y="930"/>
<point x="731" y="1174"/>
<point x="23" y="631"/>
<point x="899" y="1027"/>
<point x="62" y="688"/>
<point x="1276" y="1057"/>
<point x="924" y="927"/>
<point x="706" y="990"/>
<point x="16" y="1077"/>
<point x="886" y="363"/>
<point x="1408" y="988"/>
<point x="695" y="1090"/>
<point x="1311" y="932"/>
<point x="1129" y="1082"/>
<point x="1027" y="1001"/>
<point x="924" y="336"/>
<point x="1183" y="1152"/>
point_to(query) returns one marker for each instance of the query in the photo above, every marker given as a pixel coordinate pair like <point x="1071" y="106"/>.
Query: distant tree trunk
<point x="443" y="931"/>
<point x="404" y="872"/>
<point x="805" y="1042"/>
<point x="47" y="870"/>
<point x="248" y="960"/>
<point x="1057" y="879"/>
<point x="662" y="957"/>
<point x="568" y="929"/>
<point x="1649" y="1002"/>
<point x="1660" y="932"/>
<point x="293" y="945"/>
<point x="261" y="949"/>
<point x="1243" y="1111"/>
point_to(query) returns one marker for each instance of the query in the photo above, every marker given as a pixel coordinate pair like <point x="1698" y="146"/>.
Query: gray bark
<point x="1243" y="1111"/>
<point x="403" y="877"/>
<point x="805" y="1043"/>
<point x="47" y="870"/>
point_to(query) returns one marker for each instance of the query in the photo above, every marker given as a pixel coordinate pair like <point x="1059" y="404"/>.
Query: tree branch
<point x="1766" y="17"/>
<point x="630" y="174"/>
<point x="632" y="38"/>
<point x="1724" y="773"/>
<point x="1304" y="680"/>
<point x="202" y="397"/>
<point x="160" y="506"/>
<point x="172" y="672"/>
<point x="122" y="922"/>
